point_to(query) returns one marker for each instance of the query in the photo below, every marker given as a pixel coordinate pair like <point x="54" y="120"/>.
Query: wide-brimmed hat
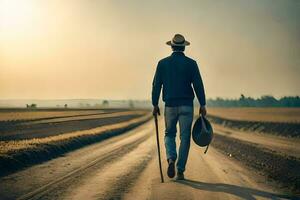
<point x="202" y="132"/>
<point x="178" y="40"/>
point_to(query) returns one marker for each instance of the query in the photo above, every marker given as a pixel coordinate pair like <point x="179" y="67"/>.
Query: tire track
<point x="115" y="179"/>
<point x="128" y="180"/>
<point x="56" y="185"/>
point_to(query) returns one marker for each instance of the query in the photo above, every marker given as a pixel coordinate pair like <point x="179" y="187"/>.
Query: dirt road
<point x="125" y="167"/>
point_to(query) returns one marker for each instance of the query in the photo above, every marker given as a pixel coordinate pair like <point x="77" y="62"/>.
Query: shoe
<point x="171" y="168"/>
<point x="180" y="176"/>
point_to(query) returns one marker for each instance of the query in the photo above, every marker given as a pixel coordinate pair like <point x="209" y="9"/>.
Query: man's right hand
<point x="202" y="111"/>
<point x="156" y="111"/>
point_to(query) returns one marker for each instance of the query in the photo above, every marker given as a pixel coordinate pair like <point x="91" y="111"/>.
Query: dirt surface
<point x="126" y="167"/>
<point x="282" y="115"/>
<point x="45" y="128"/>
<point x="19" y="114"/>
<point x="18" y="154"/>
<point x="285" y="129"/>
<point x="279" y="145"/>
<point x="283" y="168"/>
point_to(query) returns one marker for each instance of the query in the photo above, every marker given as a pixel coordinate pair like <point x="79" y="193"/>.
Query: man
<point x="177" y="74"/>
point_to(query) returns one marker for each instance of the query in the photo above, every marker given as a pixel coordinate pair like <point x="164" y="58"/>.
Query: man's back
<point x="177" y="73"/>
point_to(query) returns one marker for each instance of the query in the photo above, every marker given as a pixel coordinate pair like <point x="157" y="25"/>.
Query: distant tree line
<point x="263" y="101"/>
<point x="31" y="106"/>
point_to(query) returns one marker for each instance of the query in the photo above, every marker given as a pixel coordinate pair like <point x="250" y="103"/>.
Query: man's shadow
<point x="242" y="192"/>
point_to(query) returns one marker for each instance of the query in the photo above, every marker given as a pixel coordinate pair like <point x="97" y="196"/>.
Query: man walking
<point x="176" y="74"/>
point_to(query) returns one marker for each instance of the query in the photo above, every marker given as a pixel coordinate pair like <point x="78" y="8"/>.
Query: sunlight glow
<point x="16" y="15"/>
<point x="108" y="48"/>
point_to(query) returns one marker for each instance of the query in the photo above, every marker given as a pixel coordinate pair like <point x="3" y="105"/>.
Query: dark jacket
<point x="176" y="74"/>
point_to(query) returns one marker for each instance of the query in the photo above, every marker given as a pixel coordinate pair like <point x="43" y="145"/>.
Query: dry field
<point x="22" y="114"/>
<point x="12" y="146"/>
<point x="42" y="135"/>
<point x="71" y="156"/>
<point x="277" y="121"/>
<point x="265" y="139"/>
<point x="125" y="167"/>
<point x="290" y="115"/>
<point x="40" y="125"/>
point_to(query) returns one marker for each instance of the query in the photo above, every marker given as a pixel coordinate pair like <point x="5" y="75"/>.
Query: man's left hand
<point x="202" y="111"/>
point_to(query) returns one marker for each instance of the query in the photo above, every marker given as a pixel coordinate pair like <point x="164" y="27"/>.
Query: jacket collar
<point x="177" y="53"/>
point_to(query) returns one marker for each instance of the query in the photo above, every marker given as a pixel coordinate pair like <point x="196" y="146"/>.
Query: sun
<point x="16" y="15"/>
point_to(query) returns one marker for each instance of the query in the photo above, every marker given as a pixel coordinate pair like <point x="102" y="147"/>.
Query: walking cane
<point x="158" y="148"/>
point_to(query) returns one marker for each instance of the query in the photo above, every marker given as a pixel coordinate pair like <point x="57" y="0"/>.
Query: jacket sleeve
<point x="198" y="85"/>
<point x="156" y="85"/>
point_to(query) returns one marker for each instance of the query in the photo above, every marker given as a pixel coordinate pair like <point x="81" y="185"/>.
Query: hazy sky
<point x="109" y="49"/>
